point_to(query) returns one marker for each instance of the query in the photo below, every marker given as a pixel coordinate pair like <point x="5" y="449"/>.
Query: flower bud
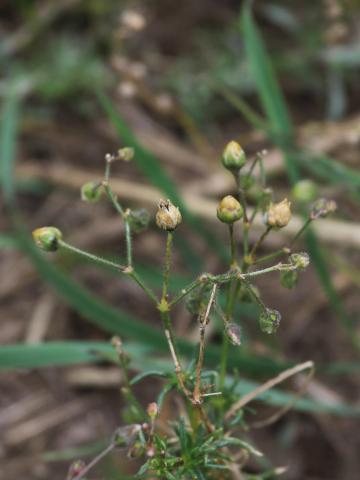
<point x="322" y="208"/>
<point x="300" y="260"/>
<point x="91" y="192"/>
<point x="233" y="333"/>
<point x="305" y="191"/>
<point x="229" y="210"/>
<point x="47" y="238"/>
<point x="278" y="215"/>
<point x="126" y="154"/>
<point x="152" y="410"/>
<point x="269" y="320"/>
<point x="75" y="469"/>
<point x="233" y="157"/>
<point x="168" y="217"/>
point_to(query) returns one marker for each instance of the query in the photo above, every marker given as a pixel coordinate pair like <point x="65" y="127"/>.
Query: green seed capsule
<point x="47" y="238"/>
<point x="229" y="210"/>
<point x="269" y="321"/>
<point x="305" y="191"/>
<point x="233" y="157"/>
<point x="91" y="192"/>
<point x="289" y="279"/>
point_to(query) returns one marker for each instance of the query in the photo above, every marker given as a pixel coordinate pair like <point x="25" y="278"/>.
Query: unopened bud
<point x="300" y="260"/>
<point x="233" y="157"/>
<point x="269" y="320"/>
<point x="91" y="192"/>
<point x="125" y="436"/>
<point x="322" y="208"/>
<point x="126" y="154"/>
<point x="233" y="333"/>
<point x="229" y="210"/>
<point x="152" y="410"/>
<point x="168" y="217"/>
<point x="305" y="191"/>
<point x="47" y="238"/>
<point x="75" y="469"/>
<point x="278" y="215"/>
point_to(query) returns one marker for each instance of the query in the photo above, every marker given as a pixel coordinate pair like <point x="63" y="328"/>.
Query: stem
<point x="91" y="256"/>
<point x="93" y="462"/>
<point x="204" y="320"/>
<point x="301" y="231"/>
<point x="234" y="263"/>
<point x="189" y="288"/>
<point x="128" y="243"/>
<point x="260" y="240"/>
<point x="132" y="274"/>
<point x="167" y="265"/>
<point x="271" y="256"/>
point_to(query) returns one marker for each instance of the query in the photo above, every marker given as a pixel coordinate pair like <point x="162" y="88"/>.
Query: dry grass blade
<point x="268" y="385"/>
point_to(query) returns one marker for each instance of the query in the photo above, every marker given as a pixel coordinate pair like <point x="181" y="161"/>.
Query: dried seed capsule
<point x="229" y="210"/>
<point x="47" y="238"/>
<point x="305" y="191"/>
<point x="322" y="208"/>
<point x="233" y="333"/>
<point x="91" y="192"/>
<point x="168" y="217"/>
<point x="278" y="215"/>
<point x="233" y="157"/>
<point x="269" y="320"/>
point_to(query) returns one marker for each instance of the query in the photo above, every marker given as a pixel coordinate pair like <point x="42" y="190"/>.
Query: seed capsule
<point x="152" y="410"/>
<point x="233" y="157"/>
<point x="305" y="191"/>
<point x="269" y="321"/>
<point x="126" y="154"/>
<point x="278" y="215"/>
<point x="300" y="260"/>
<point x="47" y="238"/>
<point x="229" y="210"/>
<point x="91" y="192"/>
<point x="233" y="333"/>
<point x="168" y="217"/>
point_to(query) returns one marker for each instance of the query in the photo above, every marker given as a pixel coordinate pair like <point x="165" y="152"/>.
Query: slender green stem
<point x="271" y="256"/>
<point x="128" y="243"/>
<point x="260" y="240"/>
<point x="167" y="265"/>
<point x="134" y="275"/>
<point x="91" y="256"/>
<point x="189" y="288"/>
<point x="234" y="263"/>
<point x="301" y="231"/>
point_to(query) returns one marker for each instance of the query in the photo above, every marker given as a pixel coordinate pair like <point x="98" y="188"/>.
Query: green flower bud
<point x="229" y="210"/>
<point x="168" y="217"/>
<point x="289" y="279"/>
<point x="322" y="208"/>
<point x="126" y="154"/>
<point x="233" y="333"/>
<point x="269" y="321"/>
<point x="91" y="192"/>
<point x="233" y="157"/>
<point x="47" y="238"/>
<point x="278" y="215"/>
<point x="138" y="219"/>
<point x="305" y="191"/>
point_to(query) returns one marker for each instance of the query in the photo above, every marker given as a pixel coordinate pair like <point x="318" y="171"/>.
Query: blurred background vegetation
<point x="176" y="80"/>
